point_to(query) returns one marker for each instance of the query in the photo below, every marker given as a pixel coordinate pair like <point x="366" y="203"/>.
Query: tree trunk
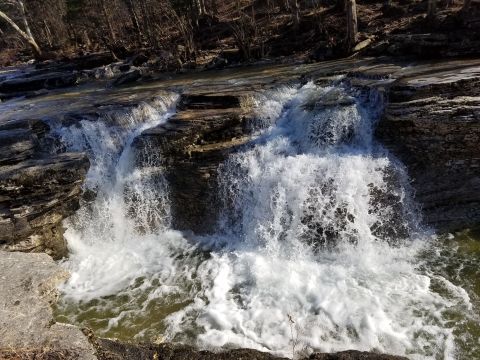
<point x="48" y="34"/>
<point x="134" y="19"/>
<point x="201" y="7"/>
<point x="432" y="10"/>
<point x="107" y="20"/>
<point x="466" y="5"/>
<point x="27" y="34"/>
<point x="352" y="23"/>
<point x="296" y="9"/>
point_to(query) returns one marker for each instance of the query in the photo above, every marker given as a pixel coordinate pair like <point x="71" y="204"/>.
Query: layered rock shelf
<point x="192" y="144"/>
<point x="432" y="123"/>
<point x="38" y="188"/>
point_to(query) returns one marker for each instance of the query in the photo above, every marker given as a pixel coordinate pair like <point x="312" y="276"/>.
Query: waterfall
<point x="316" y="249"/>
<point x="111" y="237"/>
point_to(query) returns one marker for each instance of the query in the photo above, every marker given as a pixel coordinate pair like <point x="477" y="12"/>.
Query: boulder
<point x="127" y="78"/>
<point x="35" y="196"/>
<point x="139" y="59"/>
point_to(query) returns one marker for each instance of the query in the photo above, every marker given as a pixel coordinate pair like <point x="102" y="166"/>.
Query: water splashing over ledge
<point x="318" y="226"/>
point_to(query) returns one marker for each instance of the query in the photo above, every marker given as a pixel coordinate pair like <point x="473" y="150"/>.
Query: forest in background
<point x="197" y="31"/>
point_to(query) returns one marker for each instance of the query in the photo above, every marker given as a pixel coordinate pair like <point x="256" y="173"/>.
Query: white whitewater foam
<point x="318" y="228"/>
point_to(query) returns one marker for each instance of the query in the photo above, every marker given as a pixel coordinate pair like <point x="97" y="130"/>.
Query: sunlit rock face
<point x="27" y="326"/>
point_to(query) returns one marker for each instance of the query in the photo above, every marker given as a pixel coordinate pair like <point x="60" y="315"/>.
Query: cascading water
<point x="317" y="248"/>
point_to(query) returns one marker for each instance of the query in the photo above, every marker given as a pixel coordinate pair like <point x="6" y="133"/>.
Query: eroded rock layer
<point x="192" y="144"/>
<point x="38" y="188"/>
<point x="432" y="123"/>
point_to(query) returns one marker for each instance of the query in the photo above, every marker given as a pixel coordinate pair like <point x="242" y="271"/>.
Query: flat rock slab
<point x="27" y="291"/>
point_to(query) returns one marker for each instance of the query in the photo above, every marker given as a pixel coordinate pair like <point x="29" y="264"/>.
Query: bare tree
<point x="432" y="10"/>
<point x="26" y="34"/>
<point x="106" y="16"/>
<point x="134" y="19"/>
<point x="183" y="24"/>
<point x="296" y="13"/>
<point x="201" y="7"/>
<point x="244" y="33"/>
<point x="352" y="23"/>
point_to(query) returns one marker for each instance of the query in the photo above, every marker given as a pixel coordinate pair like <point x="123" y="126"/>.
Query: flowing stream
<point x="319" y="247"/>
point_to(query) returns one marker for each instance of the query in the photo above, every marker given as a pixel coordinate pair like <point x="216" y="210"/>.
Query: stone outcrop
<point x="432" y="123"/>
<point x="115" y="350"/>
<point x="354" y="355"/>
<point x="206" y="128"/>
<point x="37" y="80"/>
<point x="38" y="188"/>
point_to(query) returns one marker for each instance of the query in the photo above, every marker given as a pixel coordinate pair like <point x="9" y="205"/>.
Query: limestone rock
<point x="27" y="291"/>
<point x="32" y="82"/>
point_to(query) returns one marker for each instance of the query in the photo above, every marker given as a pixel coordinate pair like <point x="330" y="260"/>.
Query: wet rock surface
<point x="355" y="355"/>
<point x="206" y="128"/>
<point x="113" y="350"/>
<point x="38" y="189"/>
<point x="29" y="83"/>
<point x="430" y="122"/>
